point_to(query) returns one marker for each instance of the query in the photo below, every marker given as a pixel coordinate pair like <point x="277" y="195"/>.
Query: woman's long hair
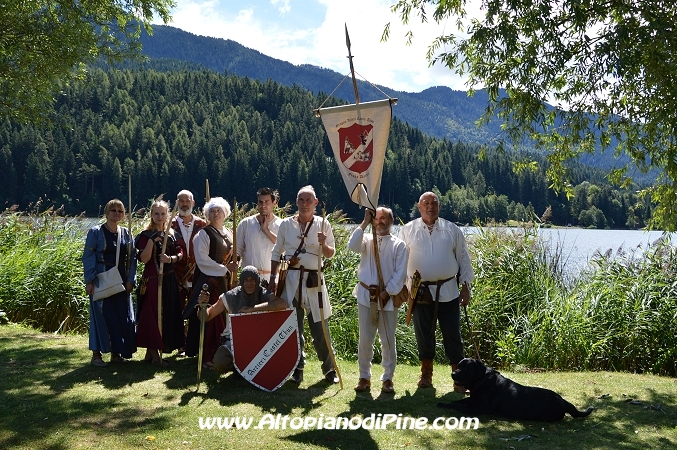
<point x="159" y="204"/>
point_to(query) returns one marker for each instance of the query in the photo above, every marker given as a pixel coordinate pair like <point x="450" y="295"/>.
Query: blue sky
<point x="312" y="32"/>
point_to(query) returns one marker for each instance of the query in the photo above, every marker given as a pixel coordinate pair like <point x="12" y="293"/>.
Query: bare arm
<point x="214" y="310"/>
<point x="327" y="250"/>
<point x="273" y="274"/>
<point x="272" y="237"/>
<point x="274" y="304"/>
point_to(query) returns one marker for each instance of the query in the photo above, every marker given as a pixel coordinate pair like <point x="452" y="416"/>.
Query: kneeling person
<point x="248" y="297"/>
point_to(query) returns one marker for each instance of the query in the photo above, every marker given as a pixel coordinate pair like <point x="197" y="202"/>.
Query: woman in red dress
<point x="149" y="248"/>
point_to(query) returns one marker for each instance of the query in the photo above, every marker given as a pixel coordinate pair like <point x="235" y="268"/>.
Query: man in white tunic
<point x="256" y="235"/>
<point x="375" y="308"/>
<point x="439" y="251"/>
<point x="303" y="239"/>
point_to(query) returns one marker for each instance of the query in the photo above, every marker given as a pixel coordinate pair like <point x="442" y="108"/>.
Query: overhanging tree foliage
<point x="44" y="43"/>
<point x="608" y="66"/>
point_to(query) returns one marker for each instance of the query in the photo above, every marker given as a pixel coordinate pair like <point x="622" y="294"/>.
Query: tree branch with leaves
<point x="44" y="44"/>
<point x="571" y="77"/>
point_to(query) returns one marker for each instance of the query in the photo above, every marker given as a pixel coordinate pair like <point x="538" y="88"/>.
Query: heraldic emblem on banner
<point x="359" y="136"/>
<point x="265" y="347"/>
<point x="358" y="147"/>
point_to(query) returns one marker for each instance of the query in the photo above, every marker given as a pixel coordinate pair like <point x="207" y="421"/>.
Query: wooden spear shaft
<point x="325" y="331"/>
<point x="129" y="223"/>
<point x="233" y="276"/>
<point x="161" y="271"/>
<point x="377" y="257"/>
<point x="381" y="283"/>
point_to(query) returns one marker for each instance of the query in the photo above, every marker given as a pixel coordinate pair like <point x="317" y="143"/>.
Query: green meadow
<point x="604" y="339"/>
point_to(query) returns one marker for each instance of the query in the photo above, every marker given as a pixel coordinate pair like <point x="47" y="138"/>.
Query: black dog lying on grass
<point x="491" y="393"/>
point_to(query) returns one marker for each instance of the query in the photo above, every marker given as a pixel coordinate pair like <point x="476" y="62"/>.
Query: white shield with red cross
<point x="265" y="347"/>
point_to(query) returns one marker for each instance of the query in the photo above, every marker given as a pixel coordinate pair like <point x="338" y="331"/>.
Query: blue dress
<point x="111" y="320"/>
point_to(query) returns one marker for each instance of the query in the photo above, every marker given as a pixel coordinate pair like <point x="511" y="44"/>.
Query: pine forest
<point x="172" y="126"/>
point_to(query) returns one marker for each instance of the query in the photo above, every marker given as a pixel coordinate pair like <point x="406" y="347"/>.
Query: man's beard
<point x="385" y="231"/>
<point x="185" y="212"/>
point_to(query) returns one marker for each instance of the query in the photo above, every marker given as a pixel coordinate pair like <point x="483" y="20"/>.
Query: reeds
<point x="41" y="271"/>
<point x="619" y="314"/>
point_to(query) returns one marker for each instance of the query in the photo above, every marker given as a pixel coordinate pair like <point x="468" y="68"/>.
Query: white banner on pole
<point x="359" y="135"/>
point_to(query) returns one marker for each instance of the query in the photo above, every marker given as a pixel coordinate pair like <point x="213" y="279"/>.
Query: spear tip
<point x="347" y="37"/>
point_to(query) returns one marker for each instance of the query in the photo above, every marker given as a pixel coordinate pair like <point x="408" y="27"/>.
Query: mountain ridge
<point x="437" y="111"/>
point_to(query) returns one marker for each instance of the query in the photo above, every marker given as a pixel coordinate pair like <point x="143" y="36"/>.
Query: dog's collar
<point x="484" y="378"/>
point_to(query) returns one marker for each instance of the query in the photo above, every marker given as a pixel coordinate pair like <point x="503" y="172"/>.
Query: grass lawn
<point x="51" y="398"/>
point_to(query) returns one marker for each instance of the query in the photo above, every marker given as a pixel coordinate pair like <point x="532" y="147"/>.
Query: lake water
<point x="578" y="245"/>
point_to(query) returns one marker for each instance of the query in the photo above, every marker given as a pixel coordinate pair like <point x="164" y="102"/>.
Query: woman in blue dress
<point x="111" y="320"/>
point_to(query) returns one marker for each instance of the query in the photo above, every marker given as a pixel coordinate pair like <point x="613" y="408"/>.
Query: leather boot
<point x="426" y="379"/>
<point x="297" y="376"/>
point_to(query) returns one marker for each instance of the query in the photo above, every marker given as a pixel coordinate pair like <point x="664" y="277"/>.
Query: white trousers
<point x="387" y="323"/>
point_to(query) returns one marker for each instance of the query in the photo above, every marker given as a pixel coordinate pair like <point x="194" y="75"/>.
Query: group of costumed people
<point x="196" y="263"/>
<point x="169" y="252"/>
<point x="177" y="255"/>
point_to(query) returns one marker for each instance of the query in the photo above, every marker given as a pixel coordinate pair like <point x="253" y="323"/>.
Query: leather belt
<point x="301" y="268"/>
<point x="439" y="284"/>
<point x="367" y="287"/>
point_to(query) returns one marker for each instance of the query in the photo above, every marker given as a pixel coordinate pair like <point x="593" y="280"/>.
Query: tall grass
<point x="631" y="303"/>
<point x="619" y="314"/>
<point x="514" y="284"/>
<point x="41" y="272"/>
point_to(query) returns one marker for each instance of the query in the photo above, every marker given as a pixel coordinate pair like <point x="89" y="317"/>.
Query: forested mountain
<point x="437" y="111"/>
<point x="172" y="129"/>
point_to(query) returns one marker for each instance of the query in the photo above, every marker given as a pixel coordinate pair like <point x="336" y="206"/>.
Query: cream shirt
<point x="288" y="240"/>
<point x="253" y="245"/>
<point x="438" y="256"/>
<point x="393" y="255"/>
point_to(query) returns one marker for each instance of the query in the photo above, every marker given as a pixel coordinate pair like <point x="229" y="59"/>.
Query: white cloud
<point x="320" y="41"/>
<point x="284" y="6"/>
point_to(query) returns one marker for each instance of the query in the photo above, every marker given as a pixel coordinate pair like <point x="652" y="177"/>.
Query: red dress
<point x="147" y="331"/>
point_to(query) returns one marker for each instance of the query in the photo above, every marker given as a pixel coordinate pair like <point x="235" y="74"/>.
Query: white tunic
<point x="438" y="256"/>
<point x="253" y="246"/>
<point x="393" y="255"/>
<point x="288" y="240"/>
